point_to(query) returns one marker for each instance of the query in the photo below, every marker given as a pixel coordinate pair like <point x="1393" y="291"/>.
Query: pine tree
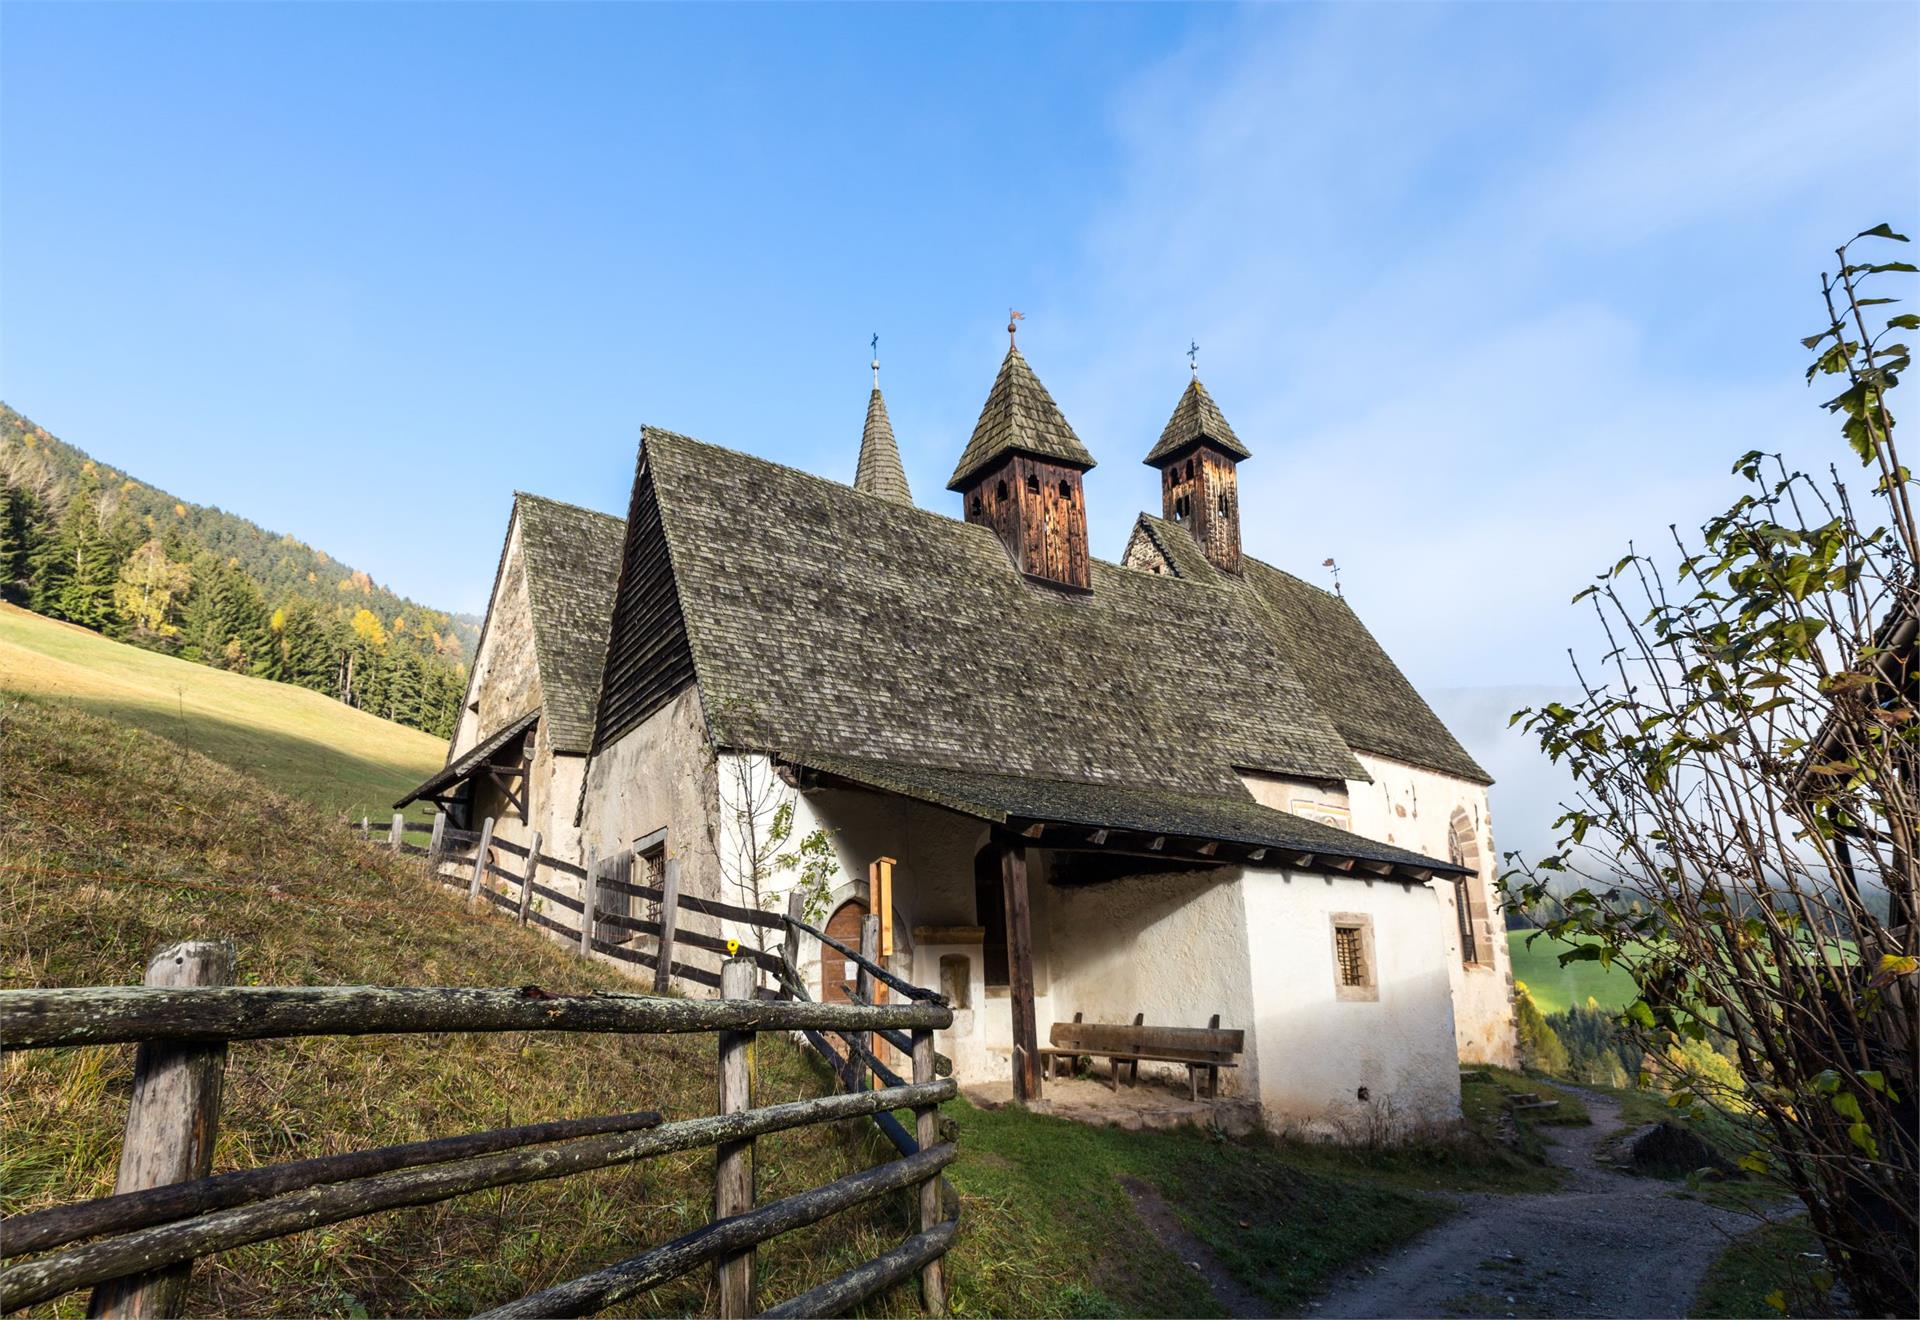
<point x="21" y="530"/>
<point x="87" y="569"/>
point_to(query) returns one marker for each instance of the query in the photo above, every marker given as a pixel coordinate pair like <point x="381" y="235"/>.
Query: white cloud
<point x="1473" y="285"/>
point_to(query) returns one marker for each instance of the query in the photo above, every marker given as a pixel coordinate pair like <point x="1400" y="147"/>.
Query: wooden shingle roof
<point x="1196" y="417"/>
<point x="572" y="560"/>
<point x="822" y="621"/>
<point x="1347" y="672"/>
<point x="1017" y="801"/>
<point x="1019" y="417"/>
<point x="879" y="472"/>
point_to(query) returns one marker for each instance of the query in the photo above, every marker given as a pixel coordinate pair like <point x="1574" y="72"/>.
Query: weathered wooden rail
<point x="134" y="1248"/>
<point x="606" y="882"/>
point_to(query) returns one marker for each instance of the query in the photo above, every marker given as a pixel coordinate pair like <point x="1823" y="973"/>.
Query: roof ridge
<point x="840" y="486"/>
<point x="519" y="495"/>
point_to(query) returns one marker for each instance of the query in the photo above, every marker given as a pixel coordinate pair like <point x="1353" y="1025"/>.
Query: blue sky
<point x="1488" y="289"/>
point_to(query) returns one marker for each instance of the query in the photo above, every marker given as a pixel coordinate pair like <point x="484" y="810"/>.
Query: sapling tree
<point x="756" y="845"/>
<point x="1742" y="836"/>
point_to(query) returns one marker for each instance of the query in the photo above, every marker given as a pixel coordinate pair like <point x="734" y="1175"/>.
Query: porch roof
<point x="1106" y="817"/>
<point x="473" y="762"/>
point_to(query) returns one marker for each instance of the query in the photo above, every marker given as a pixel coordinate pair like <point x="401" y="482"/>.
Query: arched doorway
<point x="837" y="971"/>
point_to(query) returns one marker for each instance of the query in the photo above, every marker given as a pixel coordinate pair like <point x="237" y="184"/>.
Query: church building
<point x="1180" y="785"/>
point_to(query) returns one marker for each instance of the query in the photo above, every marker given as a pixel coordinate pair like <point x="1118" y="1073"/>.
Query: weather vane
<point x="1013" y="318"/>
<point x="1329" y="564"/>
<point x="874" y="344"/>
<point x="1193" y="358"/>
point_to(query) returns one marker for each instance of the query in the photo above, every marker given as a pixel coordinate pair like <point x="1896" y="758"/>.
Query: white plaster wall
<point x="1173" y="947"/>
<point x="1316" y="1050"/>
<point x="1413" y="808"/>
<point x="658" y="775"/>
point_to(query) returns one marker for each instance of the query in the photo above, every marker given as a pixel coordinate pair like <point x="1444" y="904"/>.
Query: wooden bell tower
<point x="1198" y="457"/>
<point x="1021" y="476"/>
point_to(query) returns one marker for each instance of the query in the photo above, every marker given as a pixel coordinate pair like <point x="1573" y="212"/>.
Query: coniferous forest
<point x="87" y="543"/>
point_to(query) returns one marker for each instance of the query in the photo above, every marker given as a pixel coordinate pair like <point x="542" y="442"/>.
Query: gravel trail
<point x="1604" y="1244"/>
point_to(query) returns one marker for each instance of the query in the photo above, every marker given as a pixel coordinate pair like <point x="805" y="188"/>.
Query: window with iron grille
<point x="1351" y="954"/>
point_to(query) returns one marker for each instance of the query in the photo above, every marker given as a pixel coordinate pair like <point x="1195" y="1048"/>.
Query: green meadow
<point x="295" y="740"/>
<point x="1555" y="988"/>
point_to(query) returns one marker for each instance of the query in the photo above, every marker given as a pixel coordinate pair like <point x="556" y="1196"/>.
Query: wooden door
<point x="837" y="971"/>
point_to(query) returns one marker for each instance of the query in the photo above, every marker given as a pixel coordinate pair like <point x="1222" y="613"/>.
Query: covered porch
<point x="1030" y="903"/>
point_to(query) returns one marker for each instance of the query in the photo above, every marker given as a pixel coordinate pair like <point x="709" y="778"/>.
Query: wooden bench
<point x="1202" y="1049"/>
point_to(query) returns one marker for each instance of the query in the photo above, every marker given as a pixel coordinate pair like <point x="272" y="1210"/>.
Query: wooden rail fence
<point x="854" y="1061"/>
<point x="134" y="1248"/>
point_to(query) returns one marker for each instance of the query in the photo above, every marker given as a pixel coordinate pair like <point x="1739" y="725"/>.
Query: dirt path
<point x="1604" y="1244"/>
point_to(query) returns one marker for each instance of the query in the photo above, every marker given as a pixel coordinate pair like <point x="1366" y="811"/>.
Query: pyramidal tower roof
<point x="1019" y="416"/>
<point x="880" y="472"/>
<point x="1196" y="417"/>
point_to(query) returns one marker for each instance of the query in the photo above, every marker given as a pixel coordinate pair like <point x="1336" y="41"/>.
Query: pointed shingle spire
<point x="1195" y="417"/>
<point x="1019" y="416"/>
<point x="880" y="472"/>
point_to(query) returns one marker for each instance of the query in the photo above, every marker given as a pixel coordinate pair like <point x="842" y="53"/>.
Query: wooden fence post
<point x="589" y="901"/>
<point x="733" y="1161"/>
<point x="865" y="986"/>
<point x="366" y="829"/>
<point x="669" y="924"/>
<point x="437" y="843"/>
<point x="933" y="1282"/>
<point x="171" y="1124"/>
<point x="398" y="834"/>
<point x="526" y="881"/>
<point x="480" y="860"/>
<point x="790" y="946"/>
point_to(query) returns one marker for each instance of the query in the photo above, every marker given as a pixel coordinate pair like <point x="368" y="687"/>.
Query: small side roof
<point x="481" y="753"/>
<point x="1019" y="800"/>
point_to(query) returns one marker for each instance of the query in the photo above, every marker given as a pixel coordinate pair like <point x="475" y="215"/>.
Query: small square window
<point x="1355" y="976"/>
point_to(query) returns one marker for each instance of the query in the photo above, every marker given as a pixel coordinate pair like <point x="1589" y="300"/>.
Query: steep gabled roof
<point x="1344" y="668"/>
<point x="1195" y="418"/>
<point x="880" y="472"/>
<point x="1353" y="679"/>
<point x="572" y="560"/>
<point x="1019" y="416"/>
<point x="821" y="621"/>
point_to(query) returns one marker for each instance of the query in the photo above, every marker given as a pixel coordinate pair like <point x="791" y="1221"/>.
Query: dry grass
<point x="297" y="740"/>
<point x="114" y="843"/>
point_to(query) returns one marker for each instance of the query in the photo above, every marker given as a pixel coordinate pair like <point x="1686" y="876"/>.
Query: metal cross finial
<point x="1013" y="318"/>
<point x="1193" y="358"/>
<point x="874" y="344"/>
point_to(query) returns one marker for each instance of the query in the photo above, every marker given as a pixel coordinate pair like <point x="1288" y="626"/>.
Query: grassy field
<point x="115" y="843"/>
<point x="1555" y="988"/>
<point x="300" y="741"/>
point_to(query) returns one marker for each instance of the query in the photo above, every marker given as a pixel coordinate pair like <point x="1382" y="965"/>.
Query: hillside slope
<point x="115" y="843"/>
<point x="92" y="545"/>
<point x="308" y="744"/>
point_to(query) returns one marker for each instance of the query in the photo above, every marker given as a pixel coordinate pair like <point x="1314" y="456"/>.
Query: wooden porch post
<point x="1026" y="1044"/>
